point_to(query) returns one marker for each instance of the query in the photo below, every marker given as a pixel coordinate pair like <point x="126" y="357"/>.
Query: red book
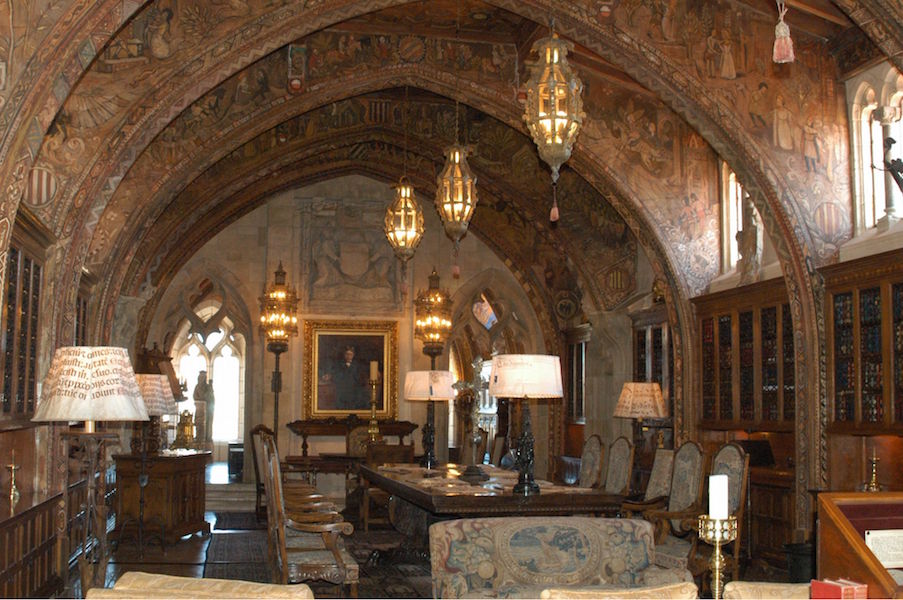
<point x="837" y="588"/>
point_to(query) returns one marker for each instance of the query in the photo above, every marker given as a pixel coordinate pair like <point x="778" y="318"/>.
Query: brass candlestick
<point x="717" y="532"/>
<point x="13" y="490"/>
<point x="873" y="485"/>
<point x="373" y="426"/>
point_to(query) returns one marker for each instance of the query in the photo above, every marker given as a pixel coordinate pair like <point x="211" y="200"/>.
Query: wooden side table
<point x="173" y="499"/>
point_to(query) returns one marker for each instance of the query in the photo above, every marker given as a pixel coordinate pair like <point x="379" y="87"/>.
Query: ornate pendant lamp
<point x="432" y="318"/>
<point x="554" y="108"/>
<point x="456" y="186"/>
<point x="404" y="219"/>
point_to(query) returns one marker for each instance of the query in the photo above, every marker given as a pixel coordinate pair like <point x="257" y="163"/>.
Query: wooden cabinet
<point x="747" y="359"/>
<point x="174" y="496"/>
<point x="770" y="514"/>
<point x="864" y="319"/>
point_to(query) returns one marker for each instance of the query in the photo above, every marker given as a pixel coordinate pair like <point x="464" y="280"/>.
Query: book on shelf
<point x="837" y="588"/>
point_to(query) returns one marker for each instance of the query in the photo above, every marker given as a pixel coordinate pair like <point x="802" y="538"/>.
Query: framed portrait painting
<point x="341" y="357"/>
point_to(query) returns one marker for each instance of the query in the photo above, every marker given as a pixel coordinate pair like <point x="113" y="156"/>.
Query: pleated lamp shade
<point x="91" y="383"/>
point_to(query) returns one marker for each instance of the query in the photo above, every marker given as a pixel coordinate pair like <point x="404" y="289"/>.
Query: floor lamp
<point x="429" y="386"/>
<point x="157" y="394"/>
<point x="278" y="323"/>
<point x="522" y="377"/>
<point x="91" y="383"/>
<point x="641" y="400"/>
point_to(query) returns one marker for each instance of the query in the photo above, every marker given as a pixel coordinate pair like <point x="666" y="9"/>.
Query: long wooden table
<point x="440" y="492"/>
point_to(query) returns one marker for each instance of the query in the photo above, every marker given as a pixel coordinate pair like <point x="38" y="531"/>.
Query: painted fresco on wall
<point x="800" y="118"/>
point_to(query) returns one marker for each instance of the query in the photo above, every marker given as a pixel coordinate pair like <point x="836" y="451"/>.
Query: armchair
<point x="733" y="461"/>
<point x="381" y="454"/>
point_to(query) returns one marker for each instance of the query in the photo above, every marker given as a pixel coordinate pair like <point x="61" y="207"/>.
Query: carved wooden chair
<point x="676" y="542"/>
<point x="304" y="546"/>
<point x="591" y="462"/>
<point x="658" y="487"/>
<point x="620" y="467"/>
<point x="381" y="454"/>
<point x="295" y="491"/>
<point x="685" y="498"/>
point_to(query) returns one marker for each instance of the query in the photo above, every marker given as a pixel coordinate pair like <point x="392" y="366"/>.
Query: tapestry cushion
<point x="740" y="590"/>
<point x="521" y="556"/>
<point x="676" y="591"/>
<point x="673" y="553"/>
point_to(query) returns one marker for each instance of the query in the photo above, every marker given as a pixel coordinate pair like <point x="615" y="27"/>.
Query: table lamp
<point x="525" y="376"/>
<point x="641" y="400"/>
<point x="91" y="383"/>
<point x="429" y="386"/>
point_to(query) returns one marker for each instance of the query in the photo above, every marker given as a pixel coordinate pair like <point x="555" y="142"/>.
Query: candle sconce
<point x="872" y="485"/>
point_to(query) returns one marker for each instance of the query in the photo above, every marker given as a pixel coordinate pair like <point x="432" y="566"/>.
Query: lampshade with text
<point x="157" y="394"/>
<point x="641" y="400"/>
<point x="525" y="376"/>
<point x="91" y="383"/>
<point x="429" y="385"/>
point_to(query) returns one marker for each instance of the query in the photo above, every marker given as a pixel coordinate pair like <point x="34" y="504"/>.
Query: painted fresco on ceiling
<point x="644" y="133"/>
<point x="501" y="155"/>
<point x="794" y="111"/>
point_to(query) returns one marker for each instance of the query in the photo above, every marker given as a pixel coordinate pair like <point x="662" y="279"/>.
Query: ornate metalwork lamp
<point x="278" y="323"/>
<point x="404" y="223"/>
<point x="554" y="107"/>
<point x="433" y="323"/>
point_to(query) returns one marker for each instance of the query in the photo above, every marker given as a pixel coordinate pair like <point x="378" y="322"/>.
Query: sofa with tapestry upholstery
<point x="519" y="557"/>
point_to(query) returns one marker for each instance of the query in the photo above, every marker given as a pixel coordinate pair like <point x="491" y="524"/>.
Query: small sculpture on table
<point x="204" y="402"/>
<point x="184" y="431"/>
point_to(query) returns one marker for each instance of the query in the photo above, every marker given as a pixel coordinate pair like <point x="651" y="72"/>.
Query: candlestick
<point x="717" y="532"/>
<point x="13" y="490"/>
<point x="373" y="427"/>
<point x="374" y="370"/>
<point x="873" y="485"/>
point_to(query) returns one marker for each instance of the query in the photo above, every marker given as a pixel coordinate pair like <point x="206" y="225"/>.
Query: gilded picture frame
<point x="337" y="368"/>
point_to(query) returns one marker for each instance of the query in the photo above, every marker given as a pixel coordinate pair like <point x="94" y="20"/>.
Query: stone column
<point x="887" y="116"/>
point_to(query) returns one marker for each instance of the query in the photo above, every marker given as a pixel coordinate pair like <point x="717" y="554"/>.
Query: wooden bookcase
<point x="747" y="359"/>
<point x="864" y="322"/>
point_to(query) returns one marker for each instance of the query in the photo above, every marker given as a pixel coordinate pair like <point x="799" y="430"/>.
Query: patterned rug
<point x="387" y="573"/>
<point x="238" y="520"/>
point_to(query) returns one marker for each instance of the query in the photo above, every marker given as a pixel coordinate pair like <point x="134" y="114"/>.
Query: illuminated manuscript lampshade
<point x="554" y="106"/>
<point x="157" y="394"/>
<point x="640" y="400"/>
<point x="404" y="222"/>
<point x="525" y="376"/>
<point x="429" y="386"/>
<point x="90" y="383"/>
<point x="278" y="307"/>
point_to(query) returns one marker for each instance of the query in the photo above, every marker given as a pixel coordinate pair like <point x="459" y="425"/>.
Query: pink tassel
<point x="553" y="214"/>
<point x="783" y="45"/>
<point x="456" y="272"/>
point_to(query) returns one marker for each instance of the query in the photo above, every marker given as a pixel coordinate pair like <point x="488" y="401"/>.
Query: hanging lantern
<point x="404" y="222"/>
<point x="432" y="316"/>
<point x="554" y="108"/>
<point x="456" y="195"/>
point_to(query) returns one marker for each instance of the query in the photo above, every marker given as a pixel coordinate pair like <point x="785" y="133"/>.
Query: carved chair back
<point x="659" y="484"/>
<point x="591" y="462"/>
<point x="620" y="467"/>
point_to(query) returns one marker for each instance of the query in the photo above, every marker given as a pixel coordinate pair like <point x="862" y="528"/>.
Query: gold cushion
<point x="682" y="590"/>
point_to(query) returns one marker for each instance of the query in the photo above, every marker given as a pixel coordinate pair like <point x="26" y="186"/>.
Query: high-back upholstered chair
<point x="620" y="467"/>
<point x="683" y="489"/>
<point x="304" y="546"/>
<point x="591" y="462"/>
<point x="674" y="551"/>
<point x="659" y="484"/>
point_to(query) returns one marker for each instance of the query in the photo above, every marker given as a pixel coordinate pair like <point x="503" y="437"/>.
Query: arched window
<point x="731" y="217"/>
<point x="872" y="157"/>
<point x="221" y="355"/>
